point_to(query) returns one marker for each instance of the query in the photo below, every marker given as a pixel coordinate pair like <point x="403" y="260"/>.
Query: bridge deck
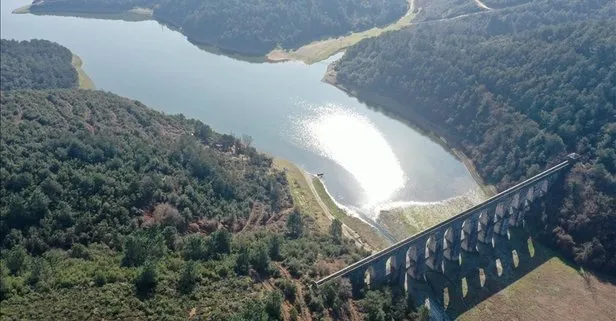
<point x="388" y="251"/>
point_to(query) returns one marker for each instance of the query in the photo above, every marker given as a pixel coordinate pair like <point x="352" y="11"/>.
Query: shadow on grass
<point x="483" y="274"/>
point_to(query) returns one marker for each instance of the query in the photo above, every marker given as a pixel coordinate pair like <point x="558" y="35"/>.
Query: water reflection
<point x="370" y="161"/>
<point x="357" y="145"/>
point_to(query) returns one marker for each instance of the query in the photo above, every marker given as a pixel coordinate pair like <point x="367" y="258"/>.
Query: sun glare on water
<point x="354" y="142"/>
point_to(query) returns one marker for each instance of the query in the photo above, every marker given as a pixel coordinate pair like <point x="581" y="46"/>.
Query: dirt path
<point x="354" y="315"/>
<point x="480" y="4"/>
<point x="271" y="287"/>
<point x="324" y="207"/>
<point x="305" y="313"/>
<point x="252" y="218"/>
<point x="346" y="230"/>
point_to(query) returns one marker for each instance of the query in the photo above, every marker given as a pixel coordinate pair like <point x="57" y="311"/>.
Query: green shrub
<point x="188" y="278"/>
<point x="100" y="277"/>
<point x="260" y="259"/>
<point x="274" y="248"/>
<point x="39" y="271"/>
<point x="295" y="267"/>
<point x="141" y="247"/>
<point x="289" y="289"/>
<point x="222" y="270"/>
<point x="147" y="279"/>
<point x="335" y="230"/>
<point x="5" y="288"/>
<point x="195" y="248"/>
<point x="273" y="305"/>
<point x="16" y="259"/>
<point x="293" y="314"/>
<point x="242" y="262"/>
<point x="79" y="251"/>
<point x="314" y="301"/>
<point x="295" y="224"/>
<point x="221" y="242"/>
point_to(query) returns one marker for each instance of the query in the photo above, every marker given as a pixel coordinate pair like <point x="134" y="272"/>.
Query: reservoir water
<point x="369" y="160"/>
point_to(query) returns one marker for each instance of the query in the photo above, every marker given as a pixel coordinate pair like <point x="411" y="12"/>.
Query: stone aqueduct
<point x="426" y="251"/>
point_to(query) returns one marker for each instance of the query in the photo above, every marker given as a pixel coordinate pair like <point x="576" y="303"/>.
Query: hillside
<point x="514" y="90"/>
<point x="36" y="64"/>
<point x="252" y="27"/>
<point x="110" y="210"/>
<point x="95" y="186"/>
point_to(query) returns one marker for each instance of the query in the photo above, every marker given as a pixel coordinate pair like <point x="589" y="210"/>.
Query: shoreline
<point x="330" y="77"/>
<point x="323" y="209"/>
<point x="418" y="122"/>
<point x="309" y="53"/>
<point x="22" y="10"/>
<point x="134" y="14"/>
<point x="84" y="81"/>
<point x="320" y="50"/>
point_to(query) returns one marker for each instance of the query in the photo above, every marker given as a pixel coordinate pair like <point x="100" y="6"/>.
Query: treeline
<point x="516" y="90"/>
<point x="110" y="210"/>
<point x="99" y="193"/>
<point x="251" y="27"/>
<point x="36" y="64"/>
<point x="89" y="167"/>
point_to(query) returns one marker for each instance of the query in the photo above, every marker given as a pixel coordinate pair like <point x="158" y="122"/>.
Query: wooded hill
<point x="110" y="210"/>
<point x="252" y="27"/>
<point x="36" y="64"/>
<point x="516" y="90"/>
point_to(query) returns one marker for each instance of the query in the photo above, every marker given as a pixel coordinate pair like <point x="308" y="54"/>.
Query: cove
<point x="370" y="160"/>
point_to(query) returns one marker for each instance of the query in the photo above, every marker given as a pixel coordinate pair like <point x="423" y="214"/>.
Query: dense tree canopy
<point x="84" y="165"/>
<point x="253" y="26"/>
<point x="110" y="210"/>
<point x="516" y="90"/>
<point x="36" y="64"/>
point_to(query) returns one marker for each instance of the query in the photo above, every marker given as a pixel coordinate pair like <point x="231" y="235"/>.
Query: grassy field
<point x="84" y="80"/>
<point x="323" y="49"/>
<point x="313" y="200"/>
<point x="368" y="233"/>
<point x="554" y="291"/>
<point x="302" y="195"/>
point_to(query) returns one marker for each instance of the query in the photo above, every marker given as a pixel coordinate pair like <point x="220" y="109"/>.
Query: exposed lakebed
<point x="370" y="160"/>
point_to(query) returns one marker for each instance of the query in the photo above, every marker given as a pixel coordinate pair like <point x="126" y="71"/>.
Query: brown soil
<point x="304" y="313"/>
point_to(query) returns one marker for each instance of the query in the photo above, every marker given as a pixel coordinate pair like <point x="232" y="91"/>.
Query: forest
<point x="111" y="210"/>
<point x="515" y="90"/>
<point x="36" y="64"/>
<point x="252" y="27"/>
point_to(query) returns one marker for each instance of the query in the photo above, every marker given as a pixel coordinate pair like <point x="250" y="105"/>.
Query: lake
<point x="369" y="160"/>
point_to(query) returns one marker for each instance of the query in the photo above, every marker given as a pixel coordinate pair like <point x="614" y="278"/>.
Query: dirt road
<point x="346" y="231"/>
